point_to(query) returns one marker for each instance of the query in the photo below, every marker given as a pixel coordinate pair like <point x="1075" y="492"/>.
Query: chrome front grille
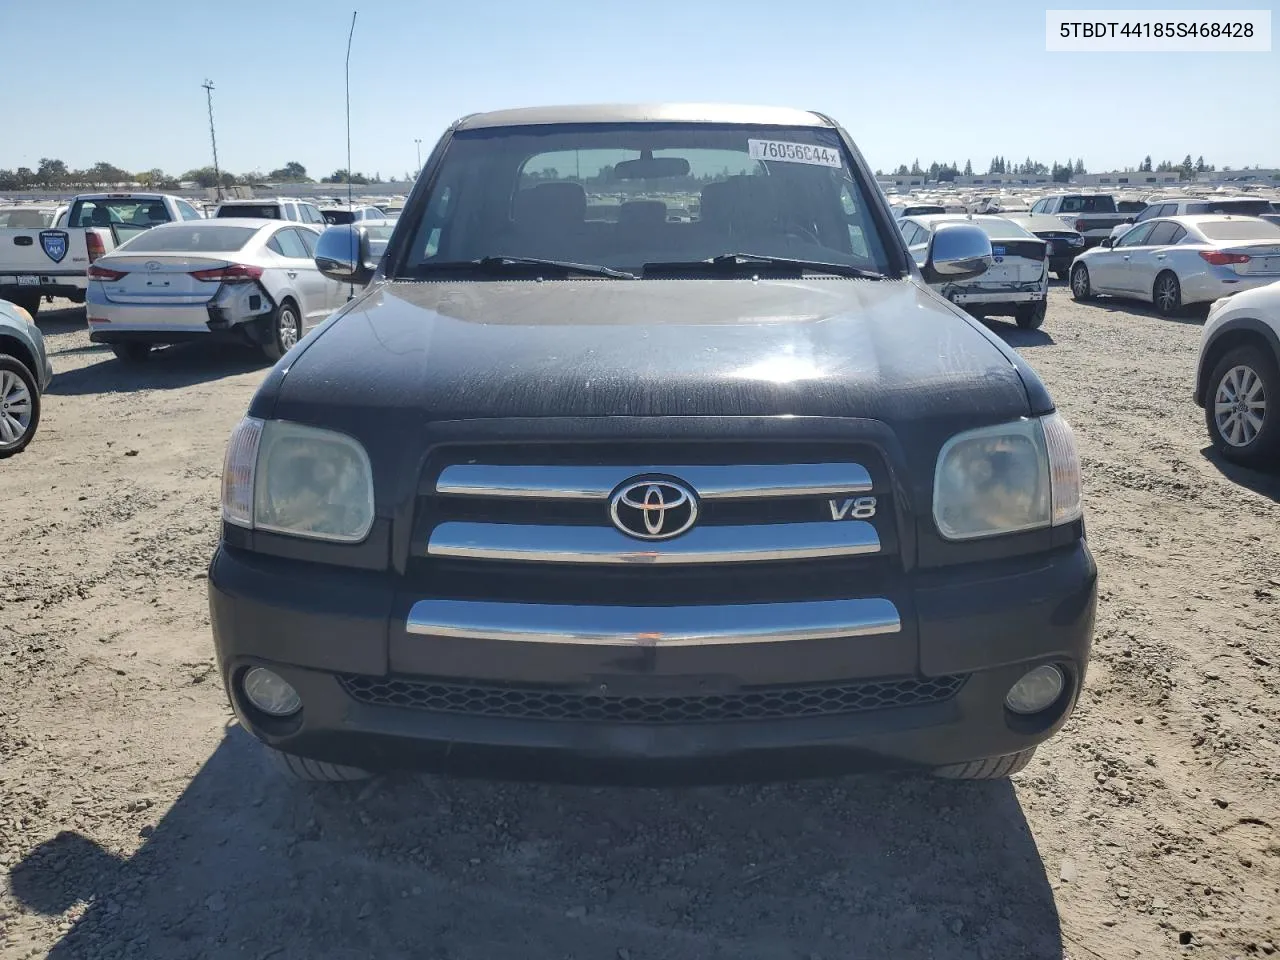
<point x="527" y="702"/>
<point x="526" y="543"/>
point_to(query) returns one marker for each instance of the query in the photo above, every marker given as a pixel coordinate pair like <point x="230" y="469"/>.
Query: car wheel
<point x="314" y="771"/>
<point x="1080" y="287"/>
<point x="131" y="351"/>
<point x="994" y="768"/>
<point x="1031" y="315"/>
<point x="286" y="330"/>
<point x="1166" y="294"/>
<point x="19" y="406"/>
<point x="1243" y="410"/>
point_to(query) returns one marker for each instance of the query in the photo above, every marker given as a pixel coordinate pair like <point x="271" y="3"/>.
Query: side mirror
<point x="342" y="253"/>
<point x="1109" y="242"/>
<point x="957" y="251"/>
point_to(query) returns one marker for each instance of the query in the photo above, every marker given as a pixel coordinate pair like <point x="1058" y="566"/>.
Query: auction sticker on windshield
<point x="794" y="152"/>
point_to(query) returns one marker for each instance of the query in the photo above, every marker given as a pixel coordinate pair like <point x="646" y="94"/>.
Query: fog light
<point x="270" y="692"/>
<point x="1038" y="689"/>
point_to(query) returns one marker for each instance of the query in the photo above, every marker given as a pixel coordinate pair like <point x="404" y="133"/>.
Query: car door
<point x="1107" y="267"/>
<point x="335" y="291"/>
<point x="1130" y="252"/>
<point x="1149" y="257"/>
<point x="307" y="284"/>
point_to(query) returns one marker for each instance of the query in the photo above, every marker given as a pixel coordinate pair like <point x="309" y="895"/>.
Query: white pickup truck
<point x="53" y="262"/>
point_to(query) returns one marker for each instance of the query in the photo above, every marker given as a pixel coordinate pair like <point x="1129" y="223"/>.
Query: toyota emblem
<point x="653" y="509"/>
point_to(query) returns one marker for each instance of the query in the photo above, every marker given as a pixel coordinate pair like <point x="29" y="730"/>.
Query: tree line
<point x="1059" y="172"/>
<point x="53" y="174"/>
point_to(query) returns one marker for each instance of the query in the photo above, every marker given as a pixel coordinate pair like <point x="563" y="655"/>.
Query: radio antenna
<point x="351" y="291"/>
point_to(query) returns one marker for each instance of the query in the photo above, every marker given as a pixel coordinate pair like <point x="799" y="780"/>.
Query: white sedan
<point x="1238" y="376"/>
<point x="1174" y="261"/>
<point x="254" y="281"/>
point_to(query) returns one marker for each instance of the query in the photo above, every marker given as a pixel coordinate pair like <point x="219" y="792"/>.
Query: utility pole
<point x="217" y="174"/>
<point x="418" y="141"/>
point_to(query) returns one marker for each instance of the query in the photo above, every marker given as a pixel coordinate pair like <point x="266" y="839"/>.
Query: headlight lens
<point x="287" y="478"/>
<point x="1010" y="477"/>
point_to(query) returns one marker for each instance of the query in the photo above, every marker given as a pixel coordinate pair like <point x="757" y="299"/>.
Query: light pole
<point x="418" y="142"/>
<point x="217" y="174"/>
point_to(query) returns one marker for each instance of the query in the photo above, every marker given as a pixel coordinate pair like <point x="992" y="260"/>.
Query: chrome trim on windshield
<point x="654" y="626"/>
<point x="605" y="545"/>
<point x="711" y="482"/>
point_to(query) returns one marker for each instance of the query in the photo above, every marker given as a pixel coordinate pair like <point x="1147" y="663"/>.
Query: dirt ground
<point x="136" y="820"/>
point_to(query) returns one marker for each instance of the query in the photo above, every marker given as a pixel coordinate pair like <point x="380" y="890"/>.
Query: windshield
<point x="253" y="211"/>
<point x="623" y="195"/>
<point x="1244" y="208"/>
<point x="206" y="237"/>
<point x="1240" y="230"/>
<point x="28" y="218"/>
<point x="118" y="212"/>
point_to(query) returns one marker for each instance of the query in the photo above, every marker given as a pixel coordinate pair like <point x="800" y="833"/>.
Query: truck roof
<point x="122" y="195"/>
<point x="644" y="113"/>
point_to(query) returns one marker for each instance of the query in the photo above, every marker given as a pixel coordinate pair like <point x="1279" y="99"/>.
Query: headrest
<point x="642" y="213"/>
<point x="555" y="202"/>
<point x="739" y="198"/>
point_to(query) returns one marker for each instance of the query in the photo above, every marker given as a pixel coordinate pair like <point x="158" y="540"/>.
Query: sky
<point x="926" y="79"/>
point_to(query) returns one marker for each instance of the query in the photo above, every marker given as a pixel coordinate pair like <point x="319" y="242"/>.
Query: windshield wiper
<point x="503" y="264"/>
<point x="728" y="261"/>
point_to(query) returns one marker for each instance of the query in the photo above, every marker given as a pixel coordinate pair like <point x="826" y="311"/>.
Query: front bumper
<point x="977" y="628"/>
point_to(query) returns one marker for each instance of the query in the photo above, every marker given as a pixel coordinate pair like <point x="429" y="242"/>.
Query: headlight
<point x="1014" y="476"/>
<point x="1078" y="240"/>
<point x="286" y="478"/>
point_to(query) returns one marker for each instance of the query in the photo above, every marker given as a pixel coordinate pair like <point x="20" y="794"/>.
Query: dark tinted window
<point x="1088" y="204"/>
<point x="122" y="212"/>
<point x="1162" y="233"/>
<point x="255" y="211"/>
<point x="287" y="243"/>
<point x="1135" y="237"/>
<point x="200" y="236"/>
<point x="309" y="241"/>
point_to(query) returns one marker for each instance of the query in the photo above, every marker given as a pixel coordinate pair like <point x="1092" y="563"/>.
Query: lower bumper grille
<point x="758" y="703"/>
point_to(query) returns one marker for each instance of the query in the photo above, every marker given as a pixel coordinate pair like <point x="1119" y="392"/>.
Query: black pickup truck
<point x="575" y="489"/>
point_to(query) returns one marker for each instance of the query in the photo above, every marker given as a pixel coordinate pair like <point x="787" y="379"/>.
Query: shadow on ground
<point x="247" y="865"/>
<point x="1015" y="336"/>
<point x="53" y="323"/>
<point x="1194" y="314"/>
<point x="167" y="368"/>
<point x="1259" y="481"/>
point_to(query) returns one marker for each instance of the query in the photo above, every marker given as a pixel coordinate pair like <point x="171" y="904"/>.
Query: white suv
<point x="296" y="211"/>
<point x="1238" y="376"/>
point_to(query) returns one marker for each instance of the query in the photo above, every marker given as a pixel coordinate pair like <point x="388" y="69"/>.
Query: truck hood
<point x="889" y="350"/>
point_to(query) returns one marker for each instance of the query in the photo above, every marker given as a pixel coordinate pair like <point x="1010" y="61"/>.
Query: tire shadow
<point x="1196" y="314"/>
<point x="1015" y="336"/>
<point x="247" y="864"/>
<point x="1259" y="481"/>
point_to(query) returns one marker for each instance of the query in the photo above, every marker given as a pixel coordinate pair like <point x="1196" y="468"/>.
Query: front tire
<point x="1166" y="294"/>
<point x="131" y="352"/>
<point x="19" y="406"/>
<point x="1030" y="316"/>
<point x="1081" y="289"/>
<point x="305" y="770"/>
<point x="286" y="330"/>
<point x="994" y="768"/>
<point x="1243" y="410"/>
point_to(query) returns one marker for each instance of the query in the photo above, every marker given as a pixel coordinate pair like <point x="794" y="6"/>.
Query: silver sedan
<point x="1174" y="261"/>
<point x="250" y="280"/>
<point x="25" y="374"/>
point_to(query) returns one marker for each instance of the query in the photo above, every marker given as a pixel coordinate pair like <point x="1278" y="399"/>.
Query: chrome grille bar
<point x="605" y="545"/>
<point x="654" y="626"/>
<point x="712" y="482"/>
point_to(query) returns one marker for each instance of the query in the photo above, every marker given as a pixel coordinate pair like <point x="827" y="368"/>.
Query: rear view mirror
<point x="342" y="253"/>
<point x="651" y="168"/>
<point x="957" y="251"/>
